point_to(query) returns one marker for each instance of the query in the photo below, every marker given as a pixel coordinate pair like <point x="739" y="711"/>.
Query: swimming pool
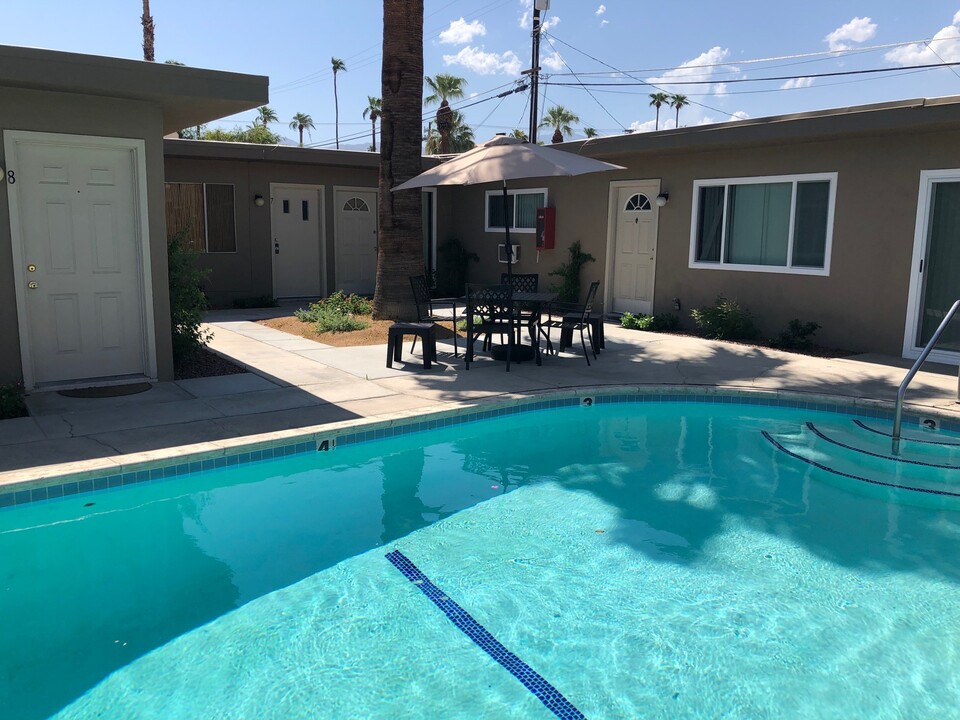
<point x="681" y="559"/>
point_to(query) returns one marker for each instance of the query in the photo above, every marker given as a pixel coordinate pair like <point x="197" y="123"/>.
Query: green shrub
<point x="725" y="320"/>
<point x="331" y="319"/>
<point x="797" y="336"/>
<point x="338" y="303"/>
<point x="568" y="290"/>
<point x="11" y="401"/>
<point x="653" y="323"/>
<point x="260" y="301"/>
<point x="187" y="301"/>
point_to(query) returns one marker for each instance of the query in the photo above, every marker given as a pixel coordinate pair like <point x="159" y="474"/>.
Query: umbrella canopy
<point x="506" y="158"/>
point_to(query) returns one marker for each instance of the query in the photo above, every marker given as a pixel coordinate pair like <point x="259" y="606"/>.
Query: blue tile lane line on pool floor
<point x="828" y="469"/>
<point x="546" y="693"/>
<point x="52" y="492"/>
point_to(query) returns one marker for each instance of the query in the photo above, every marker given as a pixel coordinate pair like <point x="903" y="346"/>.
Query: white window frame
<point x="763" y="180"/>
<point x="518" y="191"/>
<point x="206" y="224"/>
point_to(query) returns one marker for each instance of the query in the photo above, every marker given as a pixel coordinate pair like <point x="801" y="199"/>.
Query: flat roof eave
<point x="187" y="96"/>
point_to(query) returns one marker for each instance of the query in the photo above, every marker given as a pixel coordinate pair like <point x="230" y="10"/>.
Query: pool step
<point x="859" y="459"/>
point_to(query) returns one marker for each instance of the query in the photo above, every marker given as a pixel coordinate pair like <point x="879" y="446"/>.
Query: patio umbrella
<point x="506" y="158"/>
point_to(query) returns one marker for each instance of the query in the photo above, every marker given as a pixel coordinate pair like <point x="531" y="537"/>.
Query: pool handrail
<point x="901" y="391"/>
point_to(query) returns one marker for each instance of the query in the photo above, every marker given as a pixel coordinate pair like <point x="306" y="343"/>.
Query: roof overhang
<point x="187" y="96"/>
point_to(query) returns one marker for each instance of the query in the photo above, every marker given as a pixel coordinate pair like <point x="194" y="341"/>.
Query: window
<point x="638" y="202"/>
<point x="521" y="209"/>
<point x="355" y="204"/>
<point x="206" y="213"/>
<point x="775" y="224"/>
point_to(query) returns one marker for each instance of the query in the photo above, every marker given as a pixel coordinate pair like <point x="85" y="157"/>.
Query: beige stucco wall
<point x="248" y="272"/>
<point x="42" y="111"/>
<point x="861" y="305"/>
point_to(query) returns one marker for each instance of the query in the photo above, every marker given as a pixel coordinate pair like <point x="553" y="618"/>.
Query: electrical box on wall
<point x="546" y="228"/>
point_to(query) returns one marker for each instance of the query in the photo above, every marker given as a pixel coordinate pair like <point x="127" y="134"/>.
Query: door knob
<point x="32" y="285"/>
<point x="31" y="268"/>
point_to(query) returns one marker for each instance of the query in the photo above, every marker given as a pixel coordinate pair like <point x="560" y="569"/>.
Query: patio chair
<point x="489" y="311"/>
<point x="523" y="283"/>
<point x="568" y="318"/>
<point x="427" y="308"/>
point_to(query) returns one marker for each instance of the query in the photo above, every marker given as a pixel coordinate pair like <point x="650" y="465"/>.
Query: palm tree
<point x="337" y="64"/>
<point x="265" y="116"/>
<point x="372" y="111"/>
<point x="460" y="140"/>
<point x="678" y="101"/>
<point x="301" y="122"/>
<point x="445" y="88"/>
<point x="148" y="31"/>
<point x="400" y="239"/>
<point x="657" y="99"/>
<point x="590" y="132"/>
<point x="519" y="134"/>
<point x="560" y="119"/>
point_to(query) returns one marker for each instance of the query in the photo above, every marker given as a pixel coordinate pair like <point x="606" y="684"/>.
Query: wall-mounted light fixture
<point x="258" y="200"/>
<point x="662" y="199"/>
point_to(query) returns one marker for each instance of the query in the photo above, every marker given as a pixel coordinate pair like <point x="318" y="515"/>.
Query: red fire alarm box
<point x="546" y="228"/>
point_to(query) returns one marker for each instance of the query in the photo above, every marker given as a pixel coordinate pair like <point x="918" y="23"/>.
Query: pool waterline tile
<point x="236" y="452"/>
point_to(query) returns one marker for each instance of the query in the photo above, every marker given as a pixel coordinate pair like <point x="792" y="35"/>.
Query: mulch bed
<point x="204" y="363"/>
<point x="375" y="334"/>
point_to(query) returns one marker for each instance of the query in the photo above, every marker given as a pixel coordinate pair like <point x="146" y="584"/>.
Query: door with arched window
<point x="356" y="240"/>
<point x="634" y="257"/>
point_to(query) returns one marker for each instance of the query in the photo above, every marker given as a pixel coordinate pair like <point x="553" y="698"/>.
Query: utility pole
<point x="538" y="5"/>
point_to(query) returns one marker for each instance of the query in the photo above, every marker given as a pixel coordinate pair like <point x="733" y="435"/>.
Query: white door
<point x="635" y="251"/>
<point x="935" y="278"/>
<point x="76" y="228"/>
<point x="356" y="240"/>
<point x="296" y="221"/>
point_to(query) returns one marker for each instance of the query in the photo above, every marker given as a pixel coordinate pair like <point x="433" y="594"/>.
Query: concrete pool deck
<point x="297" y="383"/>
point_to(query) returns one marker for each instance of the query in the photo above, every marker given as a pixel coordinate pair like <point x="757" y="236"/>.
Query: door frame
<point x="613" y="212"/>
<point x="12" y="139"/>
<point x="321" y="224"/>
<point x="910" y="349"/>
<point x="336" y="224"/>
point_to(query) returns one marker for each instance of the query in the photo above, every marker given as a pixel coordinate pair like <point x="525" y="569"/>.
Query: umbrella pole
<point x="508" y="249"/>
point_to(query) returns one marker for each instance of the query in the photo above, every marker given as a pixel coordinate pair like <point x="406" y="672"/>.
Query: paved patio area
<point x="294" y="382"/>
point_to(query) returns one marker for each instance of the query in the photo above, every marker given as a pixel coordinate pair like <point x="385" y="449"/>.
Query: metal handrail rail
<point x="898" y="414"/>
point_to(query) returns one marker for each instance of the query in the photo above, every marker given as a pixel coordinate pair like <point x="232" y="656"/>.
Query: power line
<point x="602" y="107"/>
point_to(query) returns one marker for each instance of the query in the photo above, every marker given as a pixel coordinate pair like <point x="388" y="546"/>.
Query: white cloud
<point x="650" y="125"/>
<point x="797" y="83"/>
<point x="857" y="31"/>
<point x="461" y="32"/>
<point x="553" y="62"/>
<point x="550" y="22"/>
<point x="740" y="115"/>
<point x="526" y="14"/>
<point x="604" y="23"/>
<point x="720" y="89"/>
<point x="921" y="54"/>
<point x="484" y="63"/>
<point x="702" y="67"/>
<point x="601" y="10"/>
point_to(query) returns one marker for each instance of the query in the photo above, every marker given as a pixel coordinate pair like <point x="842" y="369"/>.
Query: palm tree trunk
<point x="373" y="134"/>
<point x="657" y="126"/>
<point x="336" y="111"/>
<point x="400" y="247"/>
<point x="300" y="128"/>
<point x="678" y="117"/>
<point x="148" y="31"/>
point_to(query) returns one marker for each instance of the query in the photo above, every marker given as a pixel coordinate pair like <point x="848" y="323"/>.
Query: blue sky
<point x="488" y="42"/>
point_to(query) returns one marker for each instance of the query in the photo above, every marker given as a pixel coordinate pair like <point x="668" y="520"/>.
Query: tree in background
<point x="259" y="134"/>
<point x="338" y="65"/>
<point x="658" y="99"/>
<point x="519" y="134"/>
<point x="301" y="122"/>
<point x="148" y="31"/>
<point x="678" y="101"/>
<point x="590" y="132"/>
<point x="444" y="88"/>
<point x="372" y="111"/>
<point x="400" y="246"/>
<point x="265" y="116"/>
<point x="460" y="138"/>
<point x="561" y="120"/>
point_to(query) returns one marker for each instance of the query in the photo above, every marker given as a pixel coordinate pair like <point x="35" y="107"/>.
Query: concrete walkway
<point x="294" y="382"/>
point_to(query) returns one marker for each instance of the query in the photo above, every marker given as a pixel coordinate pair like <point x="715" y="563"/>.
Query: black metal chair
<point x="490" y="311"/>
<point x="524" y="283"/>
<point x="568" y="318"/>
<point x="427" y="308"/>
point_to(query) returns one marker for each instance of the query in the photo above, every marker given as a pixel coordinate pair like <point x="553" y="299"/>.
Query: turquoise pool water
<point x="645" y="560"/>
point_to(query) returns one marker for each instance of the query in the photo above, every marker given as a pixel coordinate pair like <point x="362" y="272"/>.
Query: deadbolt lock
<point x="32" y="285"/>
<point x="31" y="268"/>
